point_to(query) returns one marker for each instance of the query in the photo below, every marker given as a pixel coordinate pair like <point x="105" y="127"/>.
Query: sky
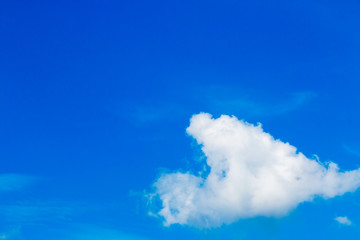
<point x="151" y="120"/>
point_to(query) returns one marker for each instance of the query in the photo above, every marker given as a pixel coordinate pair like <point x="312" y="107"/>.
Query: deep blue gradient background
<point x="95" y="97"/>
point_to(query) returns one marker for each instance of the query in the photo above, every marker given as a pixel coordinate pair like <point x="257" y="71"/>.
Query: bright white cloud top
<point x="343" y="220"/>
<point x="251" y="174"/>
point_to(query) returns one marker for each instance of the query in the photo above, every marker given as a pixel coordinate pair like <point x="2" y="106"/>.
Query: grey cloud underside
<point x="251" y="174"/>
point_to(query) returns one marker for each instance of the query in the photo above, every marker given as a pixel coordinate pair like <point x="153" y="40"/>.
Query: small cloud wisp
<point x="15" y="182"/>
<point x="343" y="220"/>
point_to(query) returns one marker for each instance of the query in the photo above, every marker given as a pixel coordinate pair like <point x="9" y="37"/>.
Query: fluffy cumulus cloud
<point x="250" y="174"/>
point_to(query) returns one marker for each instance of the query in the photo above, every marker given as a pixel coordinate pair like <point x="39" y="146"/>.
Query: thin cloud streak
<point x="351" y="150"/>
<point x="15" y="182"/>
<point x="212" y="99"/>
<point x="245" y="106"/>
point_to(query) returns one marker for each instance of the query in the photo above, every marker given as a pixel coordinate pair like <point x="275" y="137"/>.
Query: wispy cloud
<point x="35" y="212"/>
<point x="343" y="220"/>
<point x="60" y="219"/>
<point x="13" y="233"/>
<point x="18" y="215"/>
<point x="10" y="214"/>
<point x="150" y="112"/>
<point x="351" y="150"/>
<point x="262" y="106"/>
<point x="15" y="182"/>
<point x="91" y="232"/>
<point x="217" y="99"/>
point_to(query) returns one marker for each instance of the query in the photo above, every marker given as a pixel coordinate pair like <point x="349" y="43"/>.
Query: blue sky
<point x="96" y="97"/>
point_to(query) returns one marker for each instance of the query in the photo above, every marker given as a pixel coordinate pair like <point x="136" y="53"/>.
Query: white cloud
<point x="251" y="174"/>
<point x="343" y="220"/>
